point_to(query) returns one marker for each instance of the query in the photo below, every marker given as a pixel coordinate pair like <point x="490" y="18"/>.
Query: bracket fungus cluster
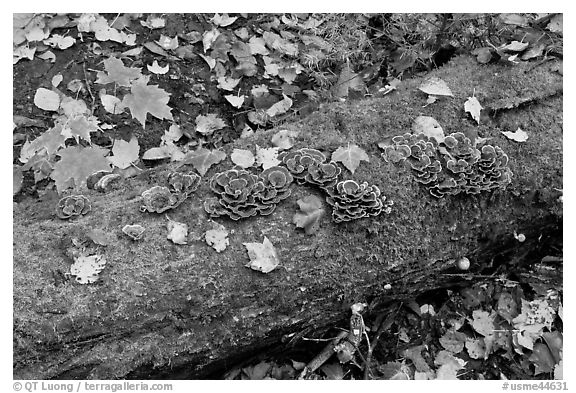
<point x="351" y="201"/>
<point x="242" y="194"/>
<point x="452" y="166"/>
<point x="158" y="199"/>
<point x="310" y="166"/>
<point x="73" y="205"/>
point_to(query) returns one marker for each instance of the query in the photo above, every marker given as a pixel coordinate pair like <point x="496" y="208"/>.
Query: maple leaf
<point x="473" y="107"/>
<point x="346" y="81"/>
<point x="79" y="127"/>
<point x="157" y="69"/>
<point x="235" y="101"/>
<point x="223" y="20"/>
<point x="263" y="256"/>
<point x="117" y="72"/>
<point x="77" y="163"/>
<point x="350" y="156"/>
<point x="125" y="153"/>
<point x="228" y="83"/>
<point x="202" y="159"/>
<point x="51" y="140"/>
<point x="312" y="212"/>
<point x="206" y="125"/>
<point x="112" y="104"/>
<point x="267" y="157"/>
<point x="146" y="99"/>
<point x="217" y="238"/>
<point x="242" y="158"/>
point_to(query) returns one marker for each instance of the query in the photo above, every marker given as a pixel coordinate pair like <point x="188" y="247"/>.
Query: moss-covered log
<point x="161" y="309"/>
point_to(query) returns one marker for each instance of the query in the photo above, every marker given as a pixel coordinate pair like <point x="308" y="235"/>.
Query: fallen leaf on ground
<point x="153" y="22"/>
<point x="473" y="107"/>
<point x="202" y="159"/>
<point x="284" y="139"/>
<point x="518" y="135"/>
<point x="177" y="232"/>
<point x="77" y="163"/>
<point x="263" y="256"/>
<point x="428" y="126"/>
<point x="235" y="101"/>
<point x="87" y="268"/>
<point x="228" y="83"/>
<point x="348" y="80"/>
<point x="515" y="46"/>
<point x="350" y="156"/>
<point x="60" y="42"/>
<point x="145" y="99"/>
<point x="280" y="107"/>
<point x="311" y="212"/>
<point x="223" y="20"/>
<point x="207" y="124"/>
<point x="51" y="140"/>
<point x="217" y="238"/>
<point x="124" y="153"/>
<point x="112" y="104"/>
<point x="267" y="157"/>
<point x="435" y="86"/>
<point x="242" y="158"/>
<point x="56" y="79"/>
<point x="47" y="99"/>
<point x="100" y="237"/>
<point x="17" y="179"/>
<point x="168" y="43"/>
<point x="157" y="69"/>
<point x="117" y="72"/>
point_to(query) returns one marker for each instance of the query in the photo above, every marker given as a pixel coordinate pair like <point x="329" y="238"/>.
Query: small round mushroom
<point x="463" y="263"/>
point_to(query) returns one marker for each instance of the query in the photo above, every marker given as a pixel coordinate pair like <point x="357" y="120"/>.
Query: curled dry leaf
<point x="263" y="256"/>
<point x="217" y="238"/>
<point x="435" y="86"/>
<point x="518" y="135"/>
<point x="177" y="232"/>
<point x="155" y="68"/>
<point x="135" y="231"/>
<point x="473" y="107"/>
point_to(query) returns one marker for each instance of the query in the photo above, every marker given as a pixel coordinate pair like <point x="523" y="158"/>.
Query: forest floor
<point x="89" y="81"/>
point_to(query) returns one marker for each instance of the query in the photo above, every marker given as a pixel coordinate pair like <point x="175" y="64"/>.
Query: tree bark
<point x="161" y="310"/>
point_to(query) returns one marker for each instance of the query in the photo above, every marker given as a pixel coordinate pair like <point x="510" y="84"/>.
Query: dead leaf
<point x="435" y="86"/>
<point x="156" y="69"/>
<point x="168" y="43"/>
<point x="56" y="79"/>
<point x="202" y="159"/>
<point x="17" y="179"/>
<point x="473" y="107"/>
<point x="312" y="211"/>
<point x="223" y="20"/>
<point x="50" y="140"/>
<point x="177" y="232"/>
<point x="209" y="37"/>
<point x="350" y="156"/>
<point x="23" y="52"/>
<point x="124" y="153"/>
<point x="77" y="163"/>
<point x="258" y="46"/>
<point x="428" y="126"/>
<point x="346" y="81"/>
<point x="242" y="158"/>
<point x="267" y="157"/>
<point x="280" y="107"/>
<point x="79" y="126"/>
<point x="453" y="341"/>
<point x="235" y="101"/>
<point x="515" y="46"/>
<point x="100" y="237"/>
<point x="153" y="22"/>
<point x="556" y="24"/>
<point x="263" y="256"/>
<point x="117" y="72"/>
<point x="60" y="42"/>
<point x="87" y="268"/>
<point x="514" y="19"/>
<point x="112" y="104"/>
<point x="47" y="100"/>
<point x="284" y="139"/>
<point x="217" y="238"/>
<point x="518" y="135"/>
<point x="228" y="83"/>
<point x="207" y="124"/>
<point x="483" y="55"/>
<point x="145" y="99"/>
<point x="430" y="100"/>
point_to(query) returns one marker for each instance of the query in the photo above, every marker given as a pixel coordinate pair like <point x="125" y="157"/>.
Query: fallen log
<point x="162" y="310"/>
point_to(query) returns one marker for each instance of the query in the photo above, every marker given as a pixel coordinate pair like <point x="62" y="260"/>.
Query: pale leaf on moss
<point x="311" y="212"/>
<point x="217" y="238"/>
<point x="472" y="106"/>
<point x="242" y="158"/>
<point x="76" y="164"/>
<point x="202" y="159"/>
<point x="87" y="268"/>
<point x="267" y="157"/>
<point x="350" y="156"/>
<point x="263" y="256"/>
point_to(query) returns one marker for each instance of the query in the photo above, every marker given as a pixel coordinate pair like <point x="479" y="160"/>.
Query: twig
<point x="381" y="329"/>
<point x="322" y="357"/>
<point x="88" y="87"/>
